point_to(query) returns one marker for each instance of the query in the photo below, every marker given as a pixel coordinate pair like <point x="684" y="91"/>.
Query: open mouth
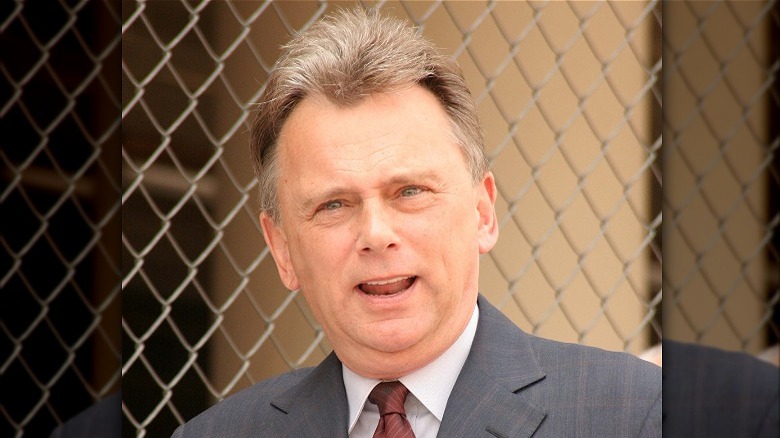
<point x="387" y="287"/>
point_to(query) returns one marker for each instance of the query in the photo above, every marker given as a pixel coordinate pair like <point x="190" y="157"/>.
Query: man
<point x="376" y="203"/>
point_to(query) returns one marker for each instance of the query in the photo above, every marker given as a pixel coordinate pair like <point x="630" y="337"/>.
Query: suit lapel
<point x="316" y="406"/>
<point x="487" y="397"/>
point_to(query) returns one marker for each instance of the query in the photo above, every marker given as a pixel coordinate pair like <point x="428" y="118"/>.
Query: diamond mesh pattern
<point x="569" y="96"/>
<point x="722" y="175"/>
<point x="59" y="275"/>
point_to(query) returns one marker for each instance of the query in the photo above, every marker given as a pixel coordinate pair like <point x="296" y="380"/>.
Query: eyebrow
<point x="319" y="197"/>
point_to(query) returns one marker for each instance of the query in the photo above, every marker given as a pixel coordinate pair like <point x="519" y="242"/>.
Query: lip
<point x="387" y="299"/>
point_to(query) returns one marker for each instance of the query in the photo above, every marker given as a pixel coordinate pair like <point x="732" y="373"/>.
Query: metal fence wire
<point x="721" y="275"/>
<point x="569" y="96"/>
<point x="59" y="249"/>
<point x="570" y="99"/>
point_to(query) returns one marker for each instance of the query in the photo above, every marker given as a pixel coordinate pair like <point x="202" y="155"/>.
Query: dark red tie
<point x="389" y="398"/>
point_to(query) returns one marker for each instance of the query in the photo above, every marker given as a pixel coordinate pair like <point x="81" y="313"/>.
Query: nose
<point x="377" y="230"/>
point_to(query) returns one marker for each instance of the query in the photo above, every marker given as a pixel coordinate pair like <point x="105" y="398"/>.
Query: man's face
<point x="382" y="227"/>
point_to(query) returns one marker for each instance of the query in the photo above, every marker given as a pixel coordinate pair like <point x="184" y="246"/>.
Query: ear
<point x="277" y="243"/>
<point x="487" y="233"/>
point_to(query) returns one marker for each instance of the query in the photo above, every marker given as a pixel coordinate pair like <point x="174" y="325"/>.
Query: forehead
<point x="409" y="123"/>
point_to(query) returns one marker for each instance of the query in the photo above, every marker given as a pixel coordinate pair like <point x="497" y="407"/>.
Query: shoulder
<point x="244" y="411"/>
<point x="599" y="366"/>
<point x="584" y="357"/>
<point x="570" y="369"/>
<point x="606" y="392"/>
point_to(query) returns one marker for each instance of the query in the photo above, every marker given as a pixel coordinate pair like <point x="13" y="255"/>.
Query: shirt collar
<point x="431" y="384"/>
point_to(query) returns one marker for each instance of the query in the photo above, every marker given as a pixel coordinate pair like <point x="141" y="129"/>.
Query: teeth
<point x="387" y="287"/>
<point x="383" y="282"/>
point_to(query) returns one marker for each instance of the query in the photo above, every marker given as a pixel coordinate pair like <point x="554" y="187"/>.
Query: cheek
<point x="457" y="244"/>
<point x="319" y="255"/>
<point x="460" y="228"/>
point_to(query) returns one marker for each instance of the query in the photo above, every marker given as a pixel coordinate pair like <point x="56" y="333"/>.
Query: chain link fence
<point x="722" y="174"/>
<point x="59" y="250"/>
<point x="569" y="95"/>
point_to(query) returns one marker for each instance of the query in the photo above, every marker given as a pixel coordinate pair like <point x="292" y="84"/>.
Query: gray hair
<point x="344" y="58"/>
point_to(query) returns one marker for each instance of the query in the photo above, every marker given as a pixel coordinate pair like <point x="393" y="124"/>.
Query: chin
<point x="396" y="339"/>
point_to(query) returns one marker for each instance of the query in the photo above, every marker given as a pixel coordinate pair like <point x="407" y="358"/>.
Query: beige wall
<point x="716" y="135"/>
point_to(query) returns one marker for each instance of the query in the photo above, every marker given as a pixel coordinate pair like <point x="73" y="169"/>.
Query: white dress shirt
<point x="429" y="389"/>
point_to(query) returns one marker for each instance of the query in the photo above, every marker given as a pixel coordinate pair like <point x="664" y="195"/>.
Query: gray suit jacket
<point x="101" y="420"/>
<point x="715" y="393"/>
<point x="512" y="385"/>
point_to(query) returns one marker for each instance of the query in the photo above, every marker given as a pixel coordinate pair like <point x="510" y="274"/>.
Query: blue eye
<point x="410" y="191"/>
<point x="332" y="205"/>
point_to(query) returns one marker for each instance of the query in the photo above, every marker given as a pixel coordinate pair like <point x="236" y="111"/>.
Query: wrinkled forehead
<point x="317" y="116"/>
<point x="407" y="129"/>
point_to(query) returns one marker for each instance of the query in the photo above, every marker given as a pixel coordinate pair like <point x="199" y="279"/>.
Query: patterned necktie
<point x="389" y="398"/>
